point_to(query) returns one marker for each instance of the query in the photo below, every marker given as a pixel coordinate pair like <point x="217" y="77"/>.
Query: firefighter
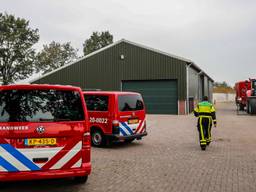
<point x="205" y="112"/>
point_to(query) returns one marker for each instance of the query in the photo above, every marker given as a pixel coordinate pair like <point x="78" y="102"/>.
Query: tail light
<point x="87" y="139"/>
<point x="86" y="157"/>
<point x="115" y="123"/>
<point x="115" y="127"/>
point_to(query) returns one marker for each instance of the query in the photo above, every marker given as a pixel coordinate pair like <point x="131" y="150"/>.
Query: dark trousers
<point x="204" y="126"/>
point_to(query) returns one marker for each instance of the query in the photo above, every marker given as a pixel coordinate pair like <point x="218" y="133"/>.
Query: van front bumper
<point x="128" y="137"/>
<point x="47" y="174"/>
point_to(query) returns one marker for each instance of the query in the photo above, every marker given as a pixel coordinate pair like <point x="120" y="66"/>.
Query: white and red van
<point x="115" y="116"/>
<point x="44" y="133"/>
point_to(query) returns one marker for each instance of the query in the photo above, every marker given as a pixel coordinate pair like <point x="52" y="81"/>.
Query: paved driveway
<point x="170" y="159"/>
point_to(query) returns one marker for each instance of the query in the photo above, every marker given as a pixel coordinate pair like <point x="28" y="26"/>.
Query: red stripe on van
<point x="72" y="161"/>
<point x="142" y="130"/>
<point x="61" y="153"/>
<point x="139" y="126"/>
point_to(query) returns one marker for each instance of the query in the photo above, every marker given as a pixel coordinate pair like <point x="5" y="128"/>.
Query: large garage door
<point x="160" y="96"/>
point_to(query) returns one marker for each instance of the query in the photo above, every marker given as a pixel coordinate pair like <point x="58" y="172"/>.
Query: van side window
<point x="96" y="102"/>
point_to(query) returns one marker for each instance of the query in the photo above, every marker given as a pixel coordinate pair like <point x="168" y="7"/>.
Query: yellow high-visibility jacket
<point x="205" y="108"/>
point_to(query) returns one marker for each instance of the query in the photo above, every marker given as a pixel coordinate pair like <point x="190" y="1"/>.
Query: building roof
<point x="188" y="61"/>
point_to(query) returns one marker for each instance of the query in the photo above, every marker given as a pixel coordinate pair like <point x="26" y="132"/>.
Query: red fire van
<point x="44" y="133"/>
<point x="115" y="116"/>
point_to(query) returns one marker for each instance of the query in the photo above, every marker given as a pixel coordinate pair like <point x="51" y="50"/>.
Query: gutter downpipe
<point x="198" y="74"/>
<point x="187" y="100"/>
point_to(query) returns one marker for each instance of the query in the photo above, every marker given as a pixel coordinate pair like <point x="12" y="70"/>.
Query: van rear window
<point x="130" y="103"/>
<point x="40" y="105"/>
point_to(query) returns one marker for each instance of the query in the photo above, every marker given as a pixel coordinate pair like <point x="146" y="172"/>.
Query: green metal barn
<point x="169" y="84"/>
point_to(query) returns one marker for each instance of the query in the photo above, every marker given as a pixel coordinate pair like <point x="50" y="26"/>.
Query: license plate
<point x="133" y="121"/>
<point x="40" y="141"/>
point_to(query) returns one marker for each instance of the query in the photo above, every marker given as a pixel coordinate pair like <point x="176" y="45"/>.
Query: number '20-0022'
<point x="98" y="120"/>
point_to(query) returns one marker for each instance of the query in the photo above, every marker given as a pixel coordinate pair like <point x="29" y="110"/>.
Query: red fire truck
<point x="44" y="133"/>
<point x="246" y="95"/>
<point x="115" y="116"/>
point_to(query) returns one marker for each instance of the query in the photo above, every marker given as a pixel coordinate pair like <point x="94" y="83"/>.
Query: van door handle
<point x="40" y="160"/>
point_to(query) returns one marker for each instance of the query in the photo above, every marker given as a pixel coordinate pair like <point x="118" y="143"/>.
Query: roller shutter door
<point x="160" y="96"/>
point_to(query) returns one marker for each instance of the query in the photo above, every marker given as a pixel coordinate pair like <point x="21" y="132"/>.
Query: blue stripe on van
<point x="123" y="132"/>
<point x="20" y="157"/>
<point x="127" y="127"/>
<point x="5" y="164"/>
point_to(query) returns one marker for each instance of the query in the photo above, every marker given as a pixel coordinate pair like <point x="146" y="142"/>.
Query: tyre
<point x="241" y="107"/>
<point x="253" y="106"/>
<point x="81" y="179"/>
<point x="247" y="107"/>
<point x="98" y="138"/>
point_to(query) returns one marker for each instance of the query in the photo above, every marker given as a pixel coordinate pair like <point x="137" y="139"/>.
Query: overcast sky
<point x="218" y="35"/>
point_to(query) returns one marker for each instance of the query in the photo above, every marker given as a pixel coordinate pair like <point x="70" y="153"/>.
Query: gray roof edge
<point x="188" y="61"/>
<point x="200" y="70"/>
<point x="158" y="51"/>
<point x="73" y="62"/>
<point x="115" y="43"/>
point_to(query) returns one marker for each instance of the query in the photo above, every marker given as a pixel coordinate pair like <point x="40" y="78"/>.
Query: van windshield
<point x="130" y="103"/>
<point x="40" y="106"/>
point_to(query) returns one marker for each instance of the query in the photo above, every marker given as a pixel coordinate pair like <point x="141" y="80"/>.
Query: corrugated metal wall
<point x="199" y="85"/>
<point x="210" y="90"/>
<point x="206" y="87"/>
<point x="105" y="70"/>
<point x="193" y="83"/>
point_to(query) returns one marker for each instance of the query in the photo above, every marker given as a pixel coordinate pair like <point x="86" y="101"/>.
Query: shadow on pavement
<point x="52" y="185"/>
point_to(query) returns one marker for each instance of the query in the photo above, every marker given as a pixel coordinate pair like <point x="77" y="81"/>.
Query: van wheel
<point x="98" y="138"/>
<point x="81" y="179"/>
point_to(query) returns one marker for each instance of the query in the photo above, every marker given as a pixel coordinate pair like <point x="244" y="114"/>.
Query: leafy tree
<point x="97" y="41"/>
<point x="54" y="56"/>
<point x="221" y="84"/>
<point x="16" y="52"/>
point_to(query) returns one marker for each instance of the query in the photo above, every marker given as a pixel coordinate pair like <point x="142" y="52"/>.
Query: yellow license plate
<point x="40" y="141"/>
<point x="133" y="121"/>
